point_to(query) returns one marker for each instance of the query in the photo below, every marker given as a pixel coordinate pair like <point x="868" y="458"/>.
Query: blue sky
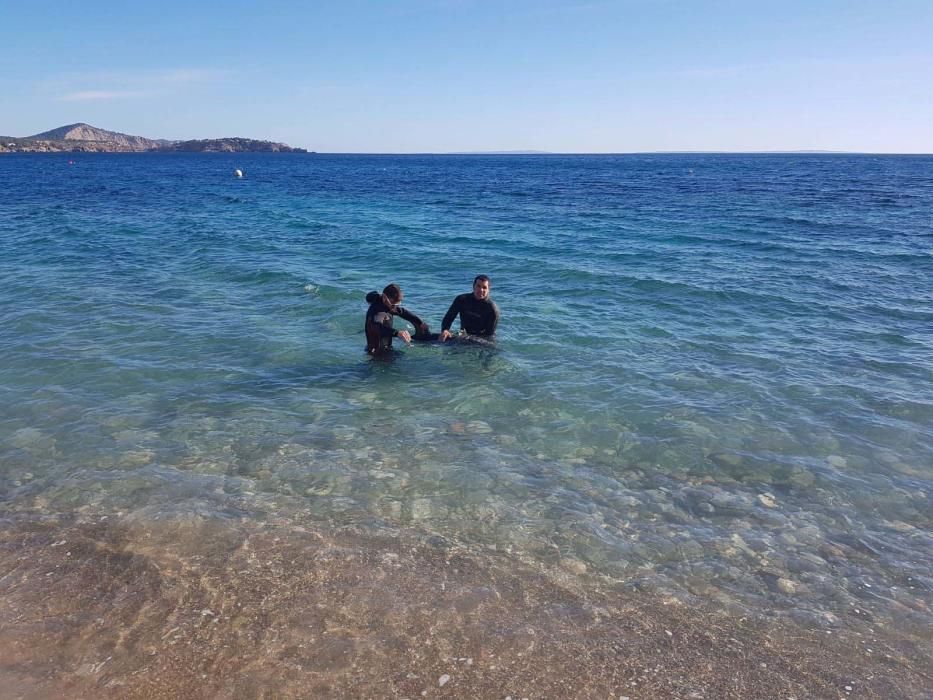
<point x="466" y="75"/>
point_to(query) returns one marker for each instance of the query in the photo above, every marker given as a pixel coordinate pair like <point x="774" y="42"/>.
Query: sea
<point x="712" y="376"/>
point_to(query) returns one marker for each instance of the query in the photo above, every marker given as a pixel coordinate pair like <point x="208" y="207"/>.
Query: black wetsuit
<point x="477" y="316"/>
<point x="379" y="331"/>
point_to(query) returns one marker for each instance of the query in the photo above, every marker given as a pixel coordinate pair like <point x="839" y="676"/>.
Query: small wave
<point x="899" y="313"/>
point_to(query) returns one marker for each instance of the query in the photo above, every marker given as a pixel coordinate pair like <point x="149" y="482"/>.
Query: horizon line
<point x="309" y="151"/>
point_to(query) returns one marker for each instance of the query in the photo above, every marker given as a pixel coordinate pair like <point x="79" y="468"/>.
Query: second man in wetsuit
<point x="378" y="326"/>
<point x="479" y="314"/>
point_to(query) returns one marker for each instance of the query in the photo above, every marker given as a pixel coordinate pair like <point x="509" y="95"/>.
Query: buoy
<point x="238" y="172"/>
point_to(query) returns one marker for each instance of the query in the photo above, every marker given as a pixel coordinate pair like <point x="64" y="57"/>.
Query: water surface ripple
<point x="714" y="374"/>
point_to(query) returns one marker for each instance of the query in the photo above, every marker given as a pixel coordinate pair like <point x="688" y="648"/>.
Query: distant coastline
<point x="673" y="153"/>
<point x="500" y="153"/>
<point x="84" y="138"/>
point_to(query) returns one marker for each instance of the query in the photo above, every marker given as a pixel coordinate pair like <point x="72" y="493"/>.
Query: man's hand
<point x="405" y="335"/>
<point x="444" y="336"/>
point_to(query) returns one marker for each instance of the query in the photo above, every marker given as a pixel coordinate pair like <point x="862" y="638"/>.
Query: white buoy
<point x="238" y="172"/>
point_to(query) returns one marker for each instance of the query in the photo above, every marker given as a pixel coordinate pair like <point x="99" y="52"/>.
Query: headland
<point x="84" y="138"/>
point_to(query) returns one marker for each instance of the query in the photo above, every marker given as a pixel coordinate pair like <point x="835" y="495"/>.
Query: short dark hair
<point x="481" y="278"/>
<point x="392" y="292"/>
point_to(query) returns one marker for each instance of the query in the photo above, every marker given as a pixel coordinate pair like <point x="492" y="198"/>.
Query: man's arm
<point x="495" y="318"/>
<point x="451" y="314"/>
<point x="449" y="319"/>
<point x="383" y="321"/>
<point x="409" y="316"/>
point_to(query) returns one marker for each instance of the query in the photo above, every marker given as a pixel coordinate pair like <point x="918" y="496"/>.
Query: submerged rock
<point x="801" y="478"/>
<point x="767" y="500"/>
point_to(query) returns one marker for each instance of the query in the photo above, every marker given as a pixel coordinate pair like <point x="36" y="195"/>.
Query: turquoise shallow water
<point x="714" y="374"/>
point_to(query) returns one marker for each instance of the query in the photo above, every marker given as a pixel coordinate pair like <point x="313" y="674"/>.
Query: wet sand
<point x="195" y="606"/>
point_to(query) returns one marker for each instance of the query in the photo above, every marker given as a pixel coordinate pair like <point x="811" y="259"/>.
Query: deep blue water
<point x="713" y="372"/>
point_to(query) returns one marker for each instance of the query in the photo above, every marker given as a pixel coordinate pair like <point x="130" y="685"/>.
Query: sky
<point x="417" y="76"/>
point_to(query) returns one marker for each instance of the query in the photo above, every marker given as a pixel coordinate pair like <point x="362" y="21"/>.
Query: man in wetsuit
<point x="378" y="327"/>
<point x="479" y="314"/>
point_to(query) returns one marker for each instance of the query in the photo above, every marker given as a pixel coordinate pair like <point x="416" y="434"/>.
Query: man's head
<point x="392" y="294"/>
<point x="481" y="287"/>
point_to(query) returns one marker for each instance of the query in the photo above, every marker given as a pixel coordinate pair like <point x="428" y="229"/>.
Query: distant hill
<point x="86" y="132"/>
<point x="86" y="138"/>
<point x="233" y="144"/>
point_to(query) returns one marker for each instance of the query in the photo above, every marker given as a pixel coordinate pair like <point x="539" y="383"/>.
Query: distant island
<point x="84" y="138"/>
